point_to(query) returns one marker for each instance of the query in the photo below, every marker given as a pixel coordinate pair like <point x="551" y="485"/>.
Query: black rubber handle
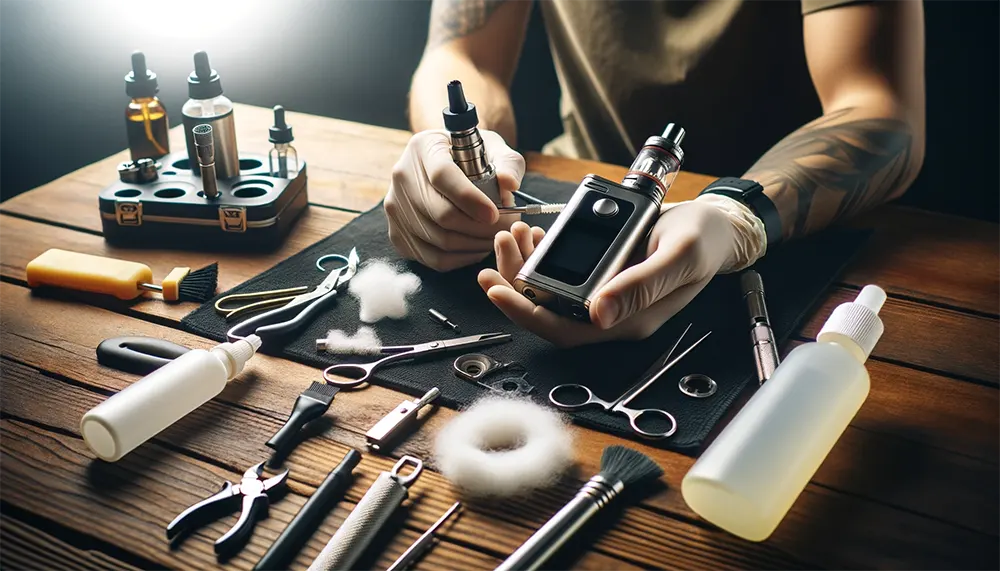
<point x="307" y="521"/>
<point x="139" y="355"/>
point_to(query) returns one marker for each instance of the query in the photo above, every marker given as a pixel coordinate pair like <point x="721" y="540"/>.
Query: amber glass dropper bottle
<point x="145" y="116"/>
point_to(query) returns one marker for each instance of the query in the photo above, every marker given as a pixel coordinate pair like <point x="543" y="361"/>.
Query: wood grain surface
<point x="913" y="483"/>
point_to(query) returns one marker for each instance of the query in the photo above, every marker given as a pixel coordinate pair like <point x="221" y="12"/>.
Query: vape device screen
<point x="577" y="250"/>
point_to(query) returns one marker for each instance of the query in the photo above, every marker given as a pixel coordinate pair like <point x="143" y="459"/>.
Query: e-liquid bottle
<point x="207" y="105"/>
<point x="145" y="117"/>
<point x="750" y="476"/>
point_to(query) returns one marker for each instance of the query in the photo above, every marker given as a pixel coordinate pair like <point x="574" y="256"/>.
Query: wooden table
<point x="912" y="483"/>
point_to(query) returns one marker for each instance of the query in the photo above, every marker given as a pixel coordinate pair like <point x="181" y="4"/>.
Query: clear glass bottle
<point x="145" y="117"/>
<point x="208" y="105"/>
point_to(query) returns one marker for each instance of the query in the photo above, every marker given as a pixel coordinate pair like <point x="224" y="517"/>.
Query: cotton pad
<point x="364" y="342"/>
<point x="502" y="447"/>
<point x="381" y="290"/>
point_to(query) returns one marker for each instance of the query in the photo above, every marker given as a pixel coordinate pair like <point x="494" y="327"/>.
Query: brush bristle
<point x="629" y="466"/>
<point x="321" y="392"/>
<point x="199" y="285"/>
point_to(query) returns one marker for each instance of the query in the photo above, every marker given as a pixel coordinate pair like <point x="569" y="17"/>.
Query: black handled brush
<point x="621" y="467"/>
<point x="311" y="404"/>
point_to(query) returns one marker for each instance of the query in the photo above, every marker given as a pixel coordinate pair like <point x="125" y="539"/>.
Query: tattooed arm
<point x="477" y="42"/>
<point x="866" y="62"/>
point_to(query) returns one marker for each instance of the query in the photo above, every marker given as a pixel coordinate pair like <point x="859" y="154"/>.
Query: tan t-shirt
<point x="731" y="72"/>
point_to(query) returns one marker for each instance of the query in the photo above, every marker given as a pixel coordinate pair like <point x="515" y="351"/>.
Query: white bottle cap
<point x="236" y="354"/>
<point x="856" y="321"/>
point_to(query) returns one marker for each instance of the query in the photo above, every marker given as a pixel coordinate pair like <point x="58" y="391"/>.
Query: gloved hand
<point x="689" y="244"/>
<point x="436" y="216"/>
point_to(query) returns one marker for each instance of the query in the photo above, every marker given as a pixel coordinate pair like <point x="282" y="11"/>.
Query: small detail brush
<point x="120" y="278"/>
<point x="311" y="404"/>
<point x="183" y="284"/>
<point x="621" y="467"/>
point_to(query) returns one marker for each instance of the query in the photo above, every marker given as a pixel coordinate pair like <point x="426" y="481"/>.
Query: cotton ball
<point x="502" y="446"/>
<point x="381" y="290"/>
<point x="364" y="342"/>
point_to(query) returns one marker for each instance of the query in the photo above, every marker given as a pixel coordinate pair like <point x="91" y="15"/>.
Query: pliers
<point x="255" y="503"/>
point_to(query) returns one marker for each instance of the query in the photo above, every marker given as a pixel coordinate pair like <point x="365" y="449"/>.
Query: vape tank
<point x="467" y="148"/>
<point x="602" y="224"/>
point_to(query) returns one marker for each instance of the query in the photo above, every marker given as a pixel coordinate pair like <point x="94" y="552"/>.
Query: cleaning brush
<point x="621" y="467"/>
<point x="311" y="404"/>
<point x="120" y="278"/>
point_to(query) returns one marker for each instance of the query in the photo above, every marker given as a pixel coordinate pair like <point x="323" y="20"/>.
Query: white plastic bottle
<point x="747" y="480"/>
<point x="139" y="412"/>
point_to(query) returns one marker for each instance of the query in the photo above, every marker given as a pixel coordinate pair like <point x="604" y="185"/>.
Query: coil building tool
<point x="603" y="223"/>
<point x="254" y="493"/>
<point x="765" y="350"/>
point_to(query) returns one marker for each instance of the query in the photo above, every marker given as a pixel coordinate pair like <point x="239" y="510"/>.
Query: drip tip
<point x="204" y="82"/>
<point x="202" y="69"/>
<point x="140" y="82"/>
<point x="456" y="97"/>
<point x="459" y="115"/>
<point x="674" y="133"/>
<point x="281" y="132"/>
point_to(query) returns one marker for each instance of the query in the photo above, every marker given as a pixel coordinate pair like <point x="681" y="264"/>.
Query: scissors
<point x="299" y="308"/>
<point x="620" y="405"/>
<point x="359" y="373"/>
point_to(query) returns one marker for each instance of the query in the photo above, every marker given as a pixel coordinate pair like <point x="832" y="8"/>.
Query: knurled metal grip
<point x="381" y="500"/>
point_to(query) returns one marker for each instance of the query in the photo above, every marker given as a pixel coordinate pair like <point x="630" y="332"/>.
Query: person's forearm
<point x="428" y="93"/>
<point x="847" y="161"/>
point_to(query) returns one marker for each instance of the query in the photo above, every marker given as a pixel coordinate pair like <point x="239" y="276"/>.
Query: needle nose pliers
<point x="254" y="492"/>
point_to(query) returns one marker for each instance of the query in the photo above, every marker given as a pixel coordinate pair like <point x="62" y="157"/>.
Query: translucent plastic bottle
<point x="747" y="480"/>
<point x="115" y="427"/>
<point x="208" y="105"/>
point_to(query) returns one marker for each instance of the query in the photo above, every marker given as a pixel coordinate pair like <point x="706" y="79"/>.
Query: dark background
<point x="62" y="64"/>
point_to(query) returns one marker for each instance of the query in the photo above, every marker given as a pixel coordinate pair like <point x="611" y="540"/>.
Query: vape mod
<point x="603" y="222"/>
<point x="467" y="148"/>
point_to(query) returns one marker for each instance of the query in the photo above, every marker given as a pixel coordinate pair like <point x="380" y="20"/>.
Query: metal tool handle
<point x="571" y="402"/>
<point x="381" y="500"/>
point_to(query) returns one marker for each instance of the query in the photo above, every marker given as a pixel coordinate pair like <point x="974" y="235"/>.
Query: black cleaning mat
<point x="795" y="276"/>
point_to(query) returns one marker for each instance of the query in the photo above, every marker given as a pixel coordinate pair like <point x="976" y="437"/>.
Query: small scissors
<point x="298" y="309"/>
<point x="620" y="404"/>
<point x="360" y="373"/>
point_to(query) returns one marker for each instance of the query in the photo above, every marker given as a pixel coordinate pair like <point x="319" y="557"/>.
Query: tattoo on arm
<point x="833" y="168"/>
<point x="452" y="19"/>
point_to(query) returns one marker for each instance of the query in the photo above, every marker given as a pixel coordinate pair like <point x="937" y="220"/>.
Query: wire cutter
<point x="300" y="308"/>
<point x="254" y="492"/>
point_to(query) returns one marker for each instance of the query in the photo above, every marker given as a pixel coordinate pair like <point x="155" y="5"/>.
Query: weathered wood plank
<point x="841" y="470"/>
<point x="30" y="548"/>
<point x="926" y="336"/>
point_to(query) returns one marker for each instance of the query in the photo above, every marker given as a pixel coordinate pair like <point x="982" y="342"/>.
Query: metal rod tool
<point x="381" y="500"/>
<point x="423" y="543"/>
<point x="765" y="350"/>
<point x="388" y="430"/>
<point x="204" y="144"/>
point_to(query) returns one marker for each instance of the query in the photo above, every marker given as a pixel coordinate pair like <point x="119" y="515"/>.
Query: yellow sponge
<point x="85" y="272"/>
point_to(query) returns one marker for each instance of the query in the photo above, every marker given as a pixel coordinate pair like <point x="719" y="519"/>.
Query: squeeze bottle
<point x="747" y="480"/>
<point x="139" y="412"/>
<point x="207" y="105"/>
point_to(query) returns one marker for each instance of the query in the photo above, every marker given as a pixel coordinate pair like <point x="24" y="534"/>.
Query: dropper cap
<point x="204" y="82"/>
<point x="856" y="324"/>
<point x="459" y="115"/>
<point x="236" y="354"/>
<point x="141" y="81"/>
<point x="281" y="132"/>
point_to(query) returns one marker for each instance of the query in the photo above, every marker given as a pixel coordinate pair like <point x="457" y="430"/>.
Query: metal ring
<point x="338" y="257"/>
<point x="417" y="464"/>
<point x="688" y="386"/>
<point x="474" y="366"/>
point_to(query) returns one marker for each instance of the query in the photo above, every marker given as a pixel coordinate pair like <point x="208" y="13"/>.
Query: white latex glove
<point x="689" y="244"/>
<point x="436" y="216"/>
